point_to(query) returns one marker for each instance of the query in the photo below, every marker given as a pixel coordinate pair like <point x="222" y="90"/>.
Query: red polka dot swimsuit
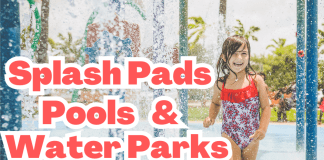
<point x="240" y="113"/>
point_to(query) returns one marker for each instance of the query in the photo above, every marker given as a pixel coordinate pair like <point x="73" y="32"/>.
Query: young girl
<point x="241" y="93"/>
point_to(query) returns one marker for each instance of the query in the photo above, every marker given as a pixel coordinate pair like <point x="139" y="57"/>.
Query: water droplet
<point x="5" y="125"/>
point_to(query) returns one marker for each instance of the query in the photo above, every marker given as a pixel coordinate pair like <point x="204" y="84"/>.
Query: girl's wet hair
<point x="230" y="46"/>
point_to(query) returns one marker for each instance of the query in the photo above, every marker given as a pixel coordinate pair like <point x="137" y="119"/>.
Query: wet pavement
<point x="279" y="143"/>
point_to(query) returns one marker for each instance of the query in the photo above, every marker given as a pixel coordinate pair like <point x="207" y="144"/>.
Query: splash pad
<point x="144" y="95"/>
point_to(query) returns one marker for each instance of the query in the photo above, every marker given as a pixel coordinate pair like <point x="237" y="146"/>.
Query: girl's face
<point x="239" y="59"/>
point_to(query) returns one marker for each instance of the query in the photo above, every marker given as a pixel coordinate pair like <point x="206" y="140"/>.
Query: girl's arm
<point x="265" y="107"/>
<point x="214" y="107"/>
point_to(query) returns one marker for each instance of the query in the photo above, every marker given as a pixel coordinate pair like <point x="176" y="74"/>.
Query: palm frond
<point x="320" y="43"/>
<point x="193" y="44"/>
<point x="69" y="48"/>
<point x="271" y="45"/>
<point x="193" y="26"/>
<point x="193" y="18"/>
<point x="238" y="33"/>
<point x="198" y="37"/>
<point x="70" y="38"/>
<point x="200" y="26"/>
<point x="254" y="29"/>
<point x="282" y="41"/>
<point x="322" y="51"/>
<point x="254" y="38"/>
<point x="52" y="43"/>
<point x="275" y="42"/>
<point x="78" y="42"/>
<point x="192" y="34"/>
<point x="321" y="33"/>
<point x="197" y="20"/>
<point x="236" y="27"/>
<point x="240" y="23"/>
<point x="246" y="36"/>
<point x="61" y="36"/>
<point x="239" y="30"/>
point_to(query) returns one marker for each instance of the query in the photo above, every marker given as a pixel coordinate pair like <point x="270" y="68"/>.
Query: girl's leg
<point x="251" y="151"/>
<point x="235" y="148"/>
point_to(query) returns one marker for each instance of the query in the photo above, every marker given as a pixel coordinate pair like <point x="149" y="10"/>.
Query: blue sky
<point x="276" y="18"/>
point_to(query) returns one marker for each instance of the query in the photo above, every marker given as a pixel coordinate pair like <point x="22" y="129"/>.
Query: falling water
<point x="142" y="46"/>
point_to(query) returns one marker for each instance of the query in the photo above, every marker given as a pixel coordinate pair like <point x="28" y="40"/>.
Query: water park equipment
<point x="300" y="77"/>
<point x="158" y="50"/>
<point x="10" y="109"/>
<point x="183" y="51"/>
<point x="311" y="79"/>
<point x="11" y="116"/>
<point x="38" y="24"/>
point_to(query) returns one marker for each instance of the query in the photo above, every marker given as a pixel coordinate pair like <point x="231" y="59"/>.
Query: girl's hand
<point x="207" y="122"/>
<point x="258" y="135"/>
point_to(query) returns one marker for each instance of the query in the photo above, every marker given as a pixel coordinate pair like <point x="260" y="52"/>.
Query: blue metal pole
<point x="10" y="108"/>
<point x="300" y="77"/>
<point x="158" y="48"/>
<point x="183" y="51"/>
<point x="311" y="81"/>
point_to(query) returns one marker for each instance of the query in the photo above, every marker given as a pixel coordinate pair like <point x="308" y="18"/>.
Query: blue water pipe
<point x="300" y="77"/>
<point x="311" y="80"/>
<point x="183" y="51"/>
<point x="158" y="48"/>
<point x="10" y="112"/>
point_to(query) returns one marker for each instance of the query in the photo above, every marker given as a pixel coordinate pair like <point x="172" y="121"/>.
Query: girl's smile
<point x="238" y="64"/>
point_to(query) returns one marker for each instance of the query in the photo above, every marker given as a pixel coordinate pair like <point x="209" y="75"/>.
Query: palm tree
<point x="222" y="9"/>
<point x="221" y="36"/>
<point x="68" y="48"/>
<point x="321" y="40"/>
<point x="41" y="53"/>
<point x="279" y="43"/>
<point x="239" y="30"/>
<point x="200" y="26"/>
